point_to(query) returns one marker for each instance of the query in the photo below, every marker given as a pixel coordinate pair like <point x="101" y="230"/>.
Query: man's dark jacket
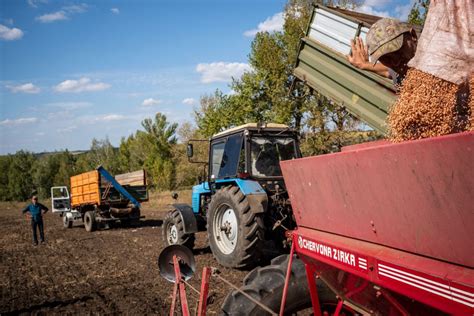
<point x="35" y="211"/>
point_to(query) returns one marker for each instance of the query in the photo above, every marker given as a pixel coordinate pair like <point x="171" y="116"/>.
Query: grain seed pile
<point x="427" y="106"/>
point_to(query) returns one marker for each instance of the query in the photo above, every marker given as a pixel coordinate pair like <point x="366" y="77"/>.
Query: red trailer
<point x="387" y="227"/>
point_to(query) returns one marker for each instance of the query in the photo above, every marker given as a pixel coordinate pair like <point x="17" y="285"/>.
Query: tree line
<point x="268" y="93"/>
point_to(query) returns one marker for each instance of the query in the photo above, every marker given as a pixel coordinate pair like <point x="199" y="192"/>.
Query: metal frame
<point x="62" y="198"/>
<point x="248" y="152"/>
<point x="179" y="286"/>
<point x="117" y="185"/>
<point x="247" y="134"/>
<point x="365" y="94"/>
<point x="437" y="284"/>
<point x="190" y="141"/>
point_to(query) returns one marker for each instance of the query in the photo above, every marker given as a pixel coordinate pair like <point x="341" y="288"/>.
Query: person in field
<point x="391" y="43"/>
<point x="36" y="210"/>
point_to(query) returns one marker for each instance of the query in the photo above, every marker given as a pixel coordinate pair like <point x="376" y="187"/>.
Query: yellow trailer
<point x="98" y="197"/>
<point x="85" y="189"/>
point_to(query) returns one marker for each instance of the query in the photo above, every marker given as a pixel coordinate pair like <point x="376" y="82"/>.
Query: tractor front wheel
<point x="173" y="231"/>
<point x="235" y="232"/>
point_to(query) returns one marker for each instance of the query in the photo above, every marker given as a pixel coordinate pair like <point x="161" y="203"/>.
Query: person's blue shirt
<point x="35" y="210"/>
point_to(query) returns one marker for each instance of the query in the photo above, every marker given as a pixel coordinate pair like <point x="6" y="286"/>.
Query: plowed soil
<point x="110" y="271"/>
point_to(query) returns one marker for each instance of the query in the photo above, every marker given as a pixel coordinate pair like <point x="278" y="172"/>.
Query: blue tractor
<point x="243" y="205"/>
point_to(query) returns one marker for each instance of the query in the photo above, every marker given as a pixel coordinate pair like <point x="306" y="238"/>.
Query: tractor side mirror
<point x="190" y="150"/>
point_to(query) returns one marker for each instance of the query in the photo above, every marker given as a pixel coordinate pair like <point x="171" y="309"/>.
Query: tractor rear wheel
<point x="89" y="221"/>
<point x="235" y="232"/>
<point x="173" y="231"/>
<point x="265" y="284"/>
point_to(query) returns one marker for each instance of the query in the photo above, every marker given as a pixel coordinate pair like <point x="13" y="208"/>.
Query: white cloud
<point x="380" y="8"/>
<point x="75" y="8"/>
<point x="52" y="17"/>
<point x="36" y="3"/>
<point x="112" y="117"/>
<point x="221" y="71"/>
<point x="24" y="88"/>
<point x="189" y="101"/>
<point x="92" y="119"/>
<point x="70" y="105"/>
<point x="67" y="129"/>
<point x="368" y="9"/>
<point x="82" y="85"/>
<point x="150" y="102"/>
<point x="63" y="14"/>
<point x="271" y="24"/>
<point x="115" y="10"/>
<point x="19" y="121"/>
<point x="402" y="11"/>
<point x="376" y="3"/>
<point x="10" y="34"/>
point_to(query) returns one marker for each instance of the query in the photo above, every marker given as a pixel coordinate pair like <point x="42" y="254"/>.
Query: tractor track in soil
<point x="110" y="271"/>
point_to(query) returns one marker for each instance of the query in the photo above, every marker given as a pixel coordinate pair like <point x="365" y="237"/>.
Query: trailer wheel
<point x="173" y="231"/>
<point x="235" y="232"/>
<point x="265" y="284"/>
<point x="89" y="221"/>
<point x="67" y="223"/>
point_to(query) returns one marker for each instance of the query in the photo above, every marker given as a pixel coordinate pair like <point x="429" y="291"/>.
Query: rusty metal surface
<point x="415" y="196"/>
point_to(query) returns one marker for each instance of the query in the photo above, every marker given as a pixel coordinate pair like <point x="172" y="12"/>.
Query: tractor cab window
<point x="226" y="157"/>
<point x="217" y="154"/>
<point x="267" y="152"/>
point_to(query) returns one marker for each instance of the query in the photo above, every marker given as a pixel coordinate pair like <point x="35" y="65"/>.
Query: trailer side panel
<point x="85" y="189"/>
<point x="415" y="196"/>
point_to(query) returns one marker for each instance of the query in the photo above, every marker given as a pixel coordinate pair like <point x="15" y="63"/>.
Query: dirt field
<point x="105" y="272"/>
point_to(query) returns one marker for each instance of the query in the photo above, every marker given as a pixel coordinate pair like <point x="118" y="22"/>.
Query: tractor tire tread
<point x="186" y="240"/>
<point x="249" y="253"/>
<point x="265" y="284"/>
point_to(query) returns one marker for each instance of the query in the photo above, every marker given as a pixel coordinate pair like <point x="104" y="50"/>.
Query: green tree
<point x="101" y="153"/>
<point x="269" y="93"/>
<point x="151" y="149"/>
<point x="66" y="168"/>
<point x="124" y="154"/>
<point x="5" y="162"/>
<point x="215" y="113"/>
<point x="20" y="181"/>
<point x="43" y="172"/>
<point x="418" y="12"/>
<point x="187" y="173"/>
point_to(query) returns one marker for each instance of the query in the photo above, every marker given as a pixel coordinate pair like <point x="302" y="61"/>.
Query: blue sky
<point x="74" y="70"/>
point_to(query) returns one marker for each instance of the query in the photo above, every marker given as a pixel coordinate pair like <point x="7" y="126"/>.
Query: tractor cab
<point x="251" y="151"/>
<point x="244" y="201"/>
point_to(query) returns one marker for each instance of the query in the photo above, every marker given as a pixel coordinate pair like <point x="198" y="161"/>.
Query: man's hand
<point x="359" y="57"/>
